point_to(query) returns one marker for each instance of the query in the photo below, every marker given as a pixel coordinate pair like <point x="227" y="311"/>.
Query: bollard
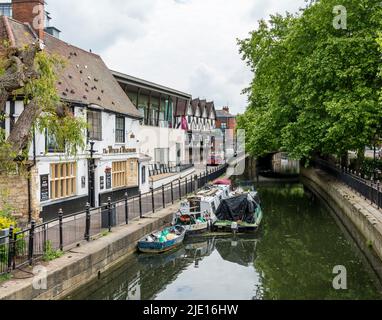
<point x="87" y="223"/>
<point x="60" y="218"/>
<point x="31" y="242"/>
<point x="126" y="208"/>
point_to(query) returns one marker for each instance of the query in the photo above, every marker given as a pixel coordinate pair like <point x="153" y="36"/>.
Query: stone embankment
<point x="362" y="219"/>
<point x="86" y="262"/>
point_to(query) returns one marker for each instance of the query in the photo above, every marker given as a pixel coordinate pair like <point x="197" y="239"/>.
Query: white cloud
<point x="189" y="45"/>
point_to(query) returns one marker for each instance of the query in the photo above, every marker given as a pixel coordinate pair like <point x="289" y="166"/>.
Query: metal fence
<point x="157" y="169"/>
<point x="22" y="248"/>
<point x="369" y="189"/>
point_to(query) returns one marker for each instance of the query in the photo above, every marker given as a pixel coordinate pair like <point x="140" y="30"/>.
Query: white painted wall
<point x="151" y="138"/>
<point x="43" y="159"/>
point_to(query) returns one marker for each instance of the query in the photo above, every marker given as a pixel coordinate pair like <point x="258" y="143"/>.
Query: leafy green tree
<point x="32" y="73"/>
<point x="316" y="88"/>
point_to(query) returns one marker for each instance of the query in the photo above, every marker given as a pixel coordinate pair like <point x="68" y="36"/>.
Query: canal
<point x="291" y="257"/>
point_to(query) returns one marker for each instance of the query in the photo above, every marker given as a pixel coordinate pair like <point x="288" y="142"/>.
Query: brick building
<point x="227" y="123"/>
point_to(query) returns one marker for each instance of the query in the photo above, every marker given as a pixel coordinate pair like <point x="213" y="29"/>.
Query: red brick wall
<point x="231" y="123"/>
<point x="32" y="12"/>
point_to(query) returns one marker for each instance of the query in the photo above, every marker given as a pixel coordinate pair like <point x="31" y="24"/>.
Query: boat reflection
<point x="148" y="275"/>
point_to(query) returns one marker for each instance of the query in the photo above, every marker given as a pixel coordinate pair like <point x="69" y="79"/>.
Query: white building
<point x="87" y="86"/>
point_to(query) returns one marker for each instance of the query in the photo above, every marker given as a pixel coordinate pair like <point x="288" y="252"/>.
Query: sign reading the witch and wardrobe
<point x="44" y="187"/>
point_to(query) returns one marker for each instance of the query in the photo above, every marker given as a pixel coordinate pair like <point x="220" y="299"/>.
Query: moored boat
<point x="162" y="241"/>
<point x="194" y="221"/>
<point x="240" y="213"/>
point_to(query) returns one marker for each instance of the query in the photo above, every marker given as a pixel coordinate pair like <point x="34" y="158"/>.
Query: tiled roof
<point x="224" y="114"/>
<point x="210" y="108"/>
<point x="195" y="105"/>
<point x="181" y="107"/>
<point x="203" y="104"/>
<point x="85" y="79"/>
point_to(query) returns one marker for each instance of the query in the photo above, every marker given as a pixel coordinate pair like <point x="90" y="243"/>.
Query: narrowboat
<point x="194" y="222"/>
<point x="240" y="213"/>
<point x="162" y="241"/>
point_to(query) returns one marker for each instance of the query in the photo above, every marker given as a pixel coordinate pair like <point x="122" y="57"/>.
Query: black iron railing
<point x="367" y="188"/>
<point x="157" y="169"/>
<point x="25" y="247"/>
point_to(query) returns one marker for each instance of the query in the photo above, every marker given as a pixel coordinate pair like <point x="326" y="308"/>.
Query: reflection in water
<point x="292" y="257"/>
<point x="282" y="164"/>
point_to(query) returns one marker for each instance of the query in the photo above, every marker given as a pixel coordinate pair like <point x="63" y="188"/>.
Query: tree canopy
<point x="316" y="88"/>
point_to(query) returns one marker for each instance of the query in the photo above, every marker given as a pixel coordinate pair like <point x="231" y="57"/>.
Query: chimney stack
<point x="226" y="109"/>
<point x="32" y="12"/>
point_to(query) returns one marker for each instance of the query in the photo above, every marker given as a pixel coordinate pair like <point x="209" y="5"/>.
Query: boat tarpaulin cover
<point x="240" y="208"/>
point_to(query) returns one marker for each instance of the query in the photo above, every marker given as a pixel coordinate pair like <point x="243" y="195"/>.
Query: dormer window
<point x="95" y="125"/>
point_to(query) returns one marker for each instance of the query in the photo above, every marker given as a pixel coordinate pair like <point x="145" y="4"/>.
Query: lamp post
<point x="91" y="173"/>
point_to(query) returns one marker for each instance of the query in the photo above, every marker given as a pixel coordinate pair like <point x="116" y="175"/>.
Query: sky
<point x="188" y="45"/>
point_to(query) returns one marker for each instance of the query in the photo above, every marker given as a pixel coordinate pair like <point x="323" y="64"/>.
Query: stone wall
<point x="350" y="208"/>
<point x="14" y="194"/>
<point x="87" y="262"/>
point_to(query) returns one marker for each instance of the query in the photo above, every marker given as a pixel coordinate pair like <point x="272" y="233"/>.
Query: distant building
<point x="160" y="137"/>
<point x="227" y="123"/>
<point x="6" y="9"/>
<point x="200" y="118"/>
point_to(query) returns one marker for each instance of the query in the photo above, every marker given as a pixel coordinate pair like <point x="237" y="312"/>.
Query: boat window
<point x="213" y="208"/>
<point x="194" y="205"/>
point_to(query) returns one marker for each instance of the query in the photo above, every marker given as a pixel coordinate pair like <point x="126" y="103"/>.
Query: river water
<point x="291" y="257"/>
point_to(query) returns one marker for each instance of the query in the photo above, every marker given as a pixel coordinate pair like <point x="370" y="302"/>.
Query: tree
<point x="316" y="88"/>
<point x="32" y="73"/>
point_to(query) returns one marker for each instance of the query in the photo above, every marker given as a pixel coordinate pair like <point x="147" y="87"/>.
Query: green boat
<point x="241" y="213"/>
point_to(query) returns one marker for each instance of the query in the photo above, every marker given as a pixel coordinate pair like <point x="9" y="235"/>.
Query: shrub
<point x="51" y="254"/>
<point x="7" y="222"/>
